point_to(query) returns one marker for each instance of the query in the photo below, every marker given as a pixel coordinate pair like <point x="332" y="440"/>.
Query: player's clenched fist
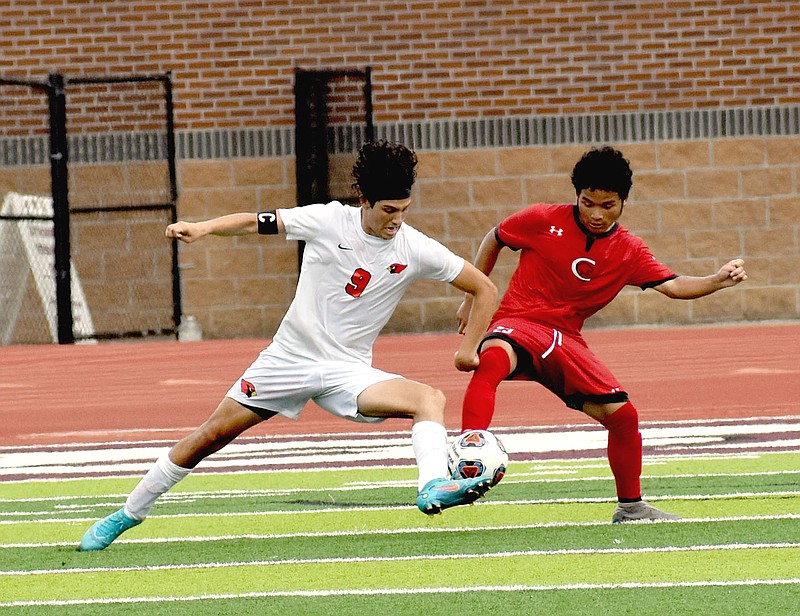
<point x="732" y="272"/>
<point x="185" y="231"/>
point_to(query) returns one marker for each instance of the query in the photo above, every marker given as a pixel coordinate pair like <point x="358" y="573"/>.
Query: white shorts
<point x="285" y="384"/>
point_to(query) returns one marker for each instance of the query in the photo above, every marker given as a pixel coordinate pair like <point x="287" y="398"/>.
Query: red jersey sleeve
<point x="646" y="271"/>
<point x="519" y="230"/>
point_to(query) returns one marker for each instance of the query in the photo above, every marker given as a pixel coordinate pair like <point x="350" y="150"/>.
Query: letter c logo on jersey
<point x="583" y="268"/>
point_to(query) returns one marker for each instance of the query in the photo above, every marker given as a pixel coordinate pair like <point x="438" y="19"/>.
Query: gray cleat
<point x="640" y="511"/>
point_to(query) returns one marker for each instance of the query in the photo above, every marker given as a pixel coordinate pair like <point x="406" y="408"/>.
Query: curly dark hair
<point x="384" y="170"/>
<point x="603" y="169"/>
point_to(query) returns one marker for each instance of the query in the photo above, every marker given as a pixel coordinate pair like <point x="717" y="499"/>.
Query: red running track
<point x="160" y="390"/>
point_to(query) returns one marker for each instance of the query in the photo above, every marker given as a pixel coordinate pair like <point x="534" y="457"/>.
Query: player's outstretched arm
<point x="231" y="224"/>
<point x="483" y="295"/>
<point x="485" y="260"/>
<point x="692" y="287"/>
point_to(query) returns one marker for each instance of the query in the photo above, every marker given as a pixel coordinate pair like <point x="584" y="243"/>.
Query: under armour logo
<point x="558" y="232"/>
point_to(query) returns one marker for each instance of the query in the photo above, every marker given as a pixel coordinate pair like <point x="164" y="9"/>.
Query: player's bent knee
<point x="402" y="398"/>
<point x="213" y="438"/>
<point x="432" y="405"/>
<point x="440" y="400"/>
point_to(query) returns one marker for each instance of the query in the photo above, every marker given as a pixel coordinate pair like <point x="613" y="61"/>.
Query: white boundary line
<point x="395" y="531"/>
<point x="555" y="501"/>
<point x="406" y="591"/>
<point x="387" y="559"/>
<point x="517" y="478"/>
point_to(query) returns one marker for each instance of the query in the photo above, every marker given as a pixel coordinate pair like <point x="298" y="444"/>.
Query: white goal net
<point x="27" y="248"/>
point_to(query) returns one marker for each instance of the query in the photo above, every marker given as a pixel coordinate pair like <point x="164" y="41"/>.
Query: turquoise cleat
<point x="440" y="494"/>
<point x="103" y="532"/>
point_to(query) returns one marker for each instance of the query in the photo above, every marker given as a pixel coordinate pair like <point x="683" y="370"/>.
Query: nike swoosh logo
<point x="344" y="247"/>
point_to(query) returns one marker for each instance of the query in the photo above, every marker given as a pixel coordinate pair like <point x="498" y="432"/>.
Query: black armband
<point x="268" y="223"/>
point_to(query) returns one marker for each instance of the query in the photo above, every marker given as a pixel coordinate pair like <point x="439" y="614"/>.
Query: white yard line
<point x="426" y="557"/>
<point x="404" y="591"/>
<point x="394" y="531"/>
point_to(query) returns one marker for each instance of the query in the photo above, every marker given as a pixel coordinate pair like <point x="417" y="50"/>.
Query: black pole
<point x="177" y="308"/>
<point x="370" y="132"/>
<point x="59" y="188"/>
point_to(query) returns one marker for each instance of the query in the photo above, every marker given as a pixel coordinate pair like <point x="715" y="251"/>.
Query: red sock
<point x="478" y="406"/>
<point x="625" y="451"/>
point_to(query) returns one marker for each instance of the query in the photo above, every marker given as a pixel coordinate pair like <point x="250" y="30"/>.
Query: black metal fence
<point x="88" y="183"/>
<point x="333" y="113"/>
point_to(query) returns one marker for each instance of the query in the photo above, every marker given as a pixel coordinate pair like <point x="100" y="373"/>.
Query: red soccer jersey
<point x="565" y="274"/>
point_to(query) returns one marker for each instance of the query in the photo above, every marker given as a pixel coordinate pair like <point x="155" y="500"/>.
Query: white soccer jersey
<point x="351" y="282"/>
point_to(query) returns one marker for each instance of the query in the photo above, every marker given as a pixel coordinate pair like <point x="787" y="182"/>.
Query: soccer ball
<point x="475" y="453"/>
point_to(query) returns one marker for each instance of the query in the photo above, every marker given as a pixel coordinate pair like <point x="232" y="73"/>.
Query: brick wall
<point x="498" y="97"/>
<point x="233" y="61"/>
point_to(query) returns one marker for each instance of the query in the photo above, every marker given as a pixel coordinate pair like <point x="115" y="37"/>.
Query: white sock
<point x="161" y="477"/>
<point x="429" y="440"/>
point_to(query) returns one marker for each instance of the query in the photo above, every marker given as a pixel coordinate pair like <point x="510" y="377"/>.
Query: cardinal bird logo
<point x="248" y="389"/>
<point x="396" y="268"/>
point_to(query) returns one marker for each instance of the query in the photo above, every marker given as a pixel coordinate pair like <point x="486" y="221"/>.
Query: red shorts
<point x="563" y="364"/>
